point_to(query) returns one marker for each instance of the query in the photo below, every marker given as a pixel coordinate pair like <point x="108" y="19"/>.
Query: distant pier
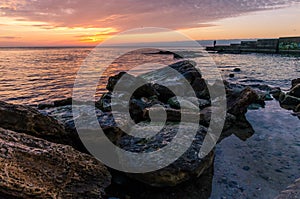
<point x="283" y="45"/>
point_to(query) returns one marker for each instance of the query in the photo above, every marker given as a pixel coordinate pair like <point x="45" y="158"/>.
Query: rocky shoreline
<point x="43" y="157"/>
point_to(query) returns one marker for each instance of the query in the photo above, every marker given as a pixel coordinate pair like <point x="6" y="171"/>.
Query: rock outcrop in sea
<point x="43" y="157"/>
<point x="291" y="99"/>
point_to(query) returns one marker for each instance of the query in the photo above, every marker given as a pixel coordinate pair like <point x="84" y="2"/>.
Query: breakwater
<point x="282" y="45"/>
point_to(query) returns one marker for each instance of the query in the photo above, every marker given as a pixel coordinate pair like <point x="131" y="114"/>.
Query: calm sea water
<point x="36" y="75"/>
<point x="258" y="168"/>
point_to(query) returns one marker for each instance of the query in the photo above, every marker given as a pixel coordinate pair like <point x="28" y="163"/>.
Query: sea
<point x="260" y="167"/>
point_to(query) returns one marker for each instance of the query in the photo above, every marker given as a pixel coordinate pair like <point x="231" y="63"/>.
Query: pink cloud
<point x="127" y="14"/>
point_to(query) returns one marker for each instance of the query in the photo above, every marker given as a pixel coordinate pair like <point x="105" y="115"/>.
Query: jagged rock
<point x="188" y="166"/>
<point x="295" y="82"/>
<point x="25" y="119"/>
<point x="181" y="102"/>
<point x="142" y="107"/>
<point x="137" y="107"/>
<point x="295" y="91"/>
<point x="288" y="101"/>
<point x="276" y="92"/>
<point x="35" y="168"/>
<point x="238" y="104"/>
<point x="165" y="52"/>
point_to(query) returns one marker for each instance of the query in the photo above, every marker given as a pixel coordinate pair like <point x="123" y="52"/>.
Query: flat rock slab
<point x="35" y="168"/>
<point x="25" y="119"/>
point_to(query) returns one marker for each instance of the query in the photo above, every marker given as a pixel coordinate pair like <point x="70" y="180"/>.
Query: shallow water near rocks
<point x="266" y="163"/>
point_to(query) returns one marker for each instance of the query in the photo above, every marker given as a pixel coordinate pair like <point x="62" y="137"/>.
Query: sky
<point x="89" y="22"/>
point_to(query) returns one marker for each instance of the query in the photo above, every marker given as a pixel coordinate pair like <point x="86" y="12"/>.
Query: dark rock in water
<point x="196" y="188"/>
<point x="125" y="82"/>
<point x="186" y="167"/>
<point x="35" y="168"/>
<point x="295" y="82"/>
<point x="231" y="75"/>
<point x="237" y="70"/>
<point x="291" y="100"/>
<point x="276" y="92"/>
<point x="237" y="105"/>
<point x="201" y="88"/>
<point x="63" y="102"/>
<point x="137" y="108"/>
<point x="288" y="101"/>
<point x="104" y="103"/>
<point x="292" y="191"/>
<point x="180" y="102"/>
<point x="165" y="52"/>
<point x="295" y="91"/>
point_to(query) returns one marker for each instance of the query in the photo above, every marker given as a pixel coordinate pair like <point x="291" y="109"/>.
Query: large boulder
<point x="35" y="168"/>
<point x="188" y="166"/>
<point x="291" y="99"/>
<point x="238" y="103"/>
<point x="28" y="120"/>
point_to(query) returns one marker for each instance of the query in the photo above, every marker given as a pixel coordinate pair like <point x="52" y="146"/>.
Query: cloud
<point x="125" y="14"/>
<point x="9" y="37"/>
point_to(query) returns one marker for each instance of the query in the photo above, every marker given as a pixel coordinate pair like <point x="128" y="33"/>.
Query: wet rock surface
<point x="291" y="99"/>
<point x="35" y="168"/>
<point x="24" y="119"/>
<point x="152" y="97"/>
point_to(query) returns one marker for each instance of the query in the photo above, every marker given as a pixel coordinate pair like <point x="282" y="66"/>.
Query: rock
<point x="297" y="109"/>
<point x="180" y="102"/>
<point x="231" y="75"/>
<point x="162" y="104"/>
<point x="104" y="103"/>
<point x="63" y="102"/>
<point x="292" y="191"/>
<point x="276" y="92"/>
<point x="137" y="108"/>
<point x="189" y="165"/>
<point x="165" y="52"/>
<point x="237" y="70"/>
<point x="288" y="101"/>
<point x="27" y="120"/>
<point x="192" y="103"/>
<point x="199" y="187"/>
<point x="295" y="82"/>
<point x="237" y="105"/>
<point x="295" y="91"/>
<point x="35" y="168"/>
<point x="126" y="82"/>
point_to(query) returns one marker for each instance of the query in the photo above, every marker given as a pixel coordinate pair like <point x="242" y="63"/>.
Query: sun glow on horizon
<point x="48" y="29"/>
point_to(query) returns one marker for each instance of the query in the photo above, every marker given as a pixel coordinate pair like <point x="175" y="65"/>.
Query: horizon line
<point x="128" y="44"/>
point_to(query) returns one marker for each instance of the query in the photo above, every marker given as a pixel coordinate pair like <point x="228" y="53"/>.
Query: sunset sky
<point x="88" y="22"/>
